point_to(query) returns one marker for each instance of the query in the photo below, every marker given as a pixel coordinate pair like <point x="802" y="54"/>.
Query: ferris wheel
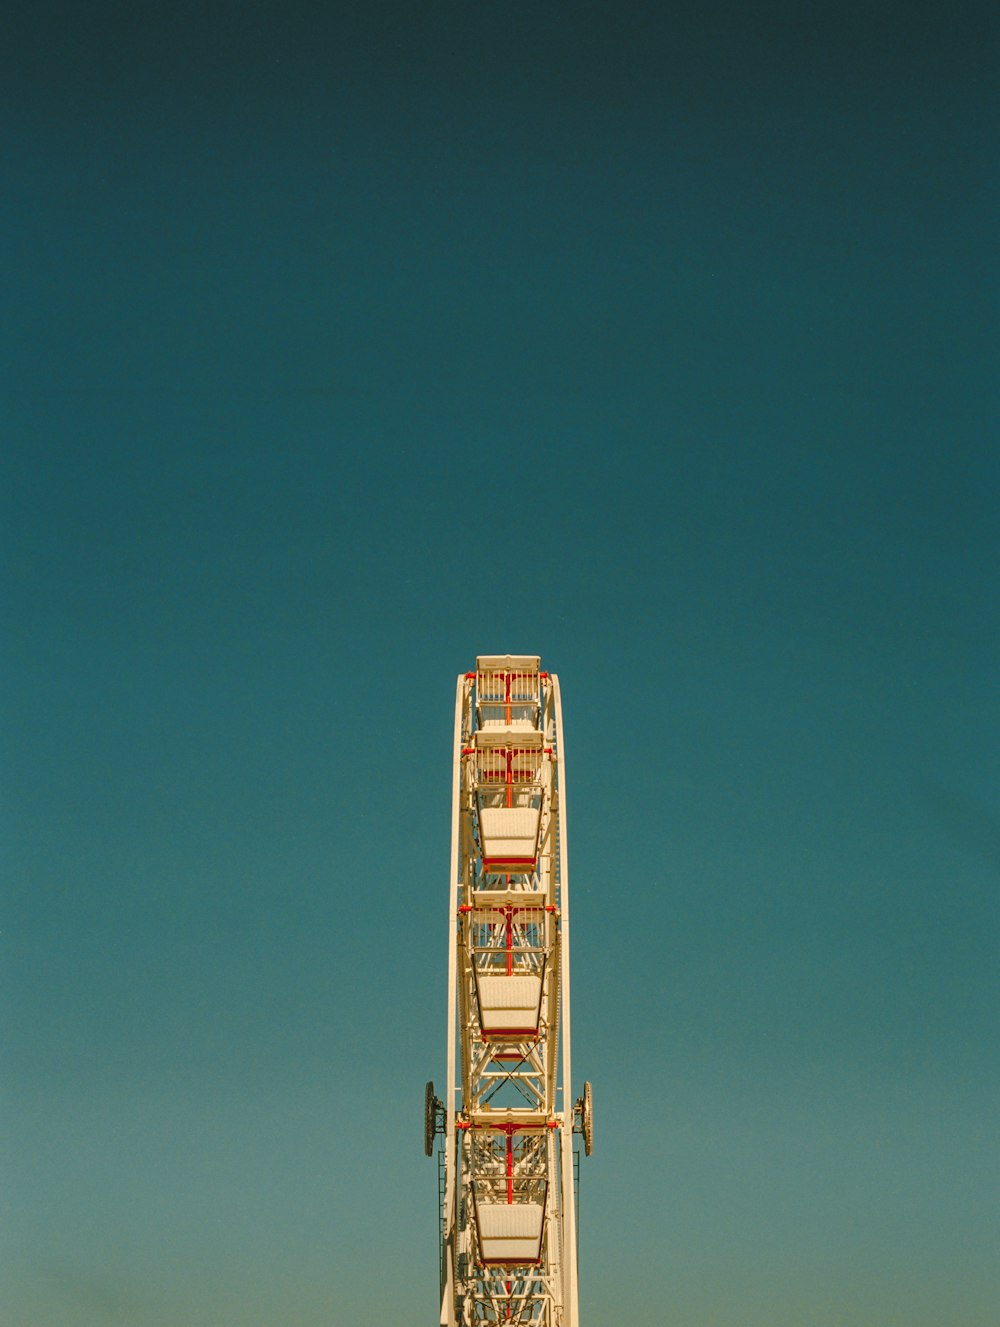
<point x="506" y="1163"/>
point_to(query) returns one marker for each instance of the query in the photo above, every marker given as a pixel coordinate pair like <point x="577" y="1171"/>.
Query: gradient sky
<point x="343" y="343"/>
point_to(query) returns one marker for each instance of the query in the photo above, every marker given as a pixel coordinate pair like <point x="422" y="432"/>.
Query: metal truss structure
<point x="507" y="1194"/>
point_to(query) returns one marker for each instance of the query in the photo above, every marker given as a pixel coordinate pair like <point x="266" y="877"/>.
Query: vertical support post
<point x="570" y="1311"/>
<point x="447" y="1318"/>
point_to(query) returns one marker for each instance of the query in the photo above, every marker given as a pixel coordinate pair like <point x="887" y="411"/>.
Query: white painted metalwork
<point x="508" y="1219"/>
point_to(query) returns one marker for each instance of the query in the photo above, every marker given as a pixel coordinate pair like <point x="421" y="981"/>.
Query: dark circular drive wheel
<point x="430" y="1119"/>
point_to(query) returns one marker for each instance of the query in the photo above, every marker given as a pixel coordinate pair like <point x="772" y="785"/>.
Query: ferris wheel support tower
<point x="507" y="1165"/>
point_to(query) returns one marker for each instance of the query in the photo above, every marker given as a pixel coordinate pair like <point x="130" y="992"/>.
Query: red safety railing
<point x="508" y="696"/>
<point x="515" y="769"/>
<point x="508" y="939"/>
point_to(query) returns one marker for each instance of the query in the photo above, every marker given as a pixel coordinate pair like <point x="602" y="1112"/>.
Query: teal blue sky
<point x="342" y="344"/>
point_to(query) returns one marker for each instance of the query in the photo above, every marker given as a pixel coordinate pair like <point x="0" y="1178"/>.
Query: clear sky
<point x="342" y="343"/>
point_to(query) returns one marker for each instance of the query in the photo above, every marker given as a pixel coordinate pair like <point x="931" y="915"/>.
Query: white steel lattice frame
<point x="508" y="1113"/>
